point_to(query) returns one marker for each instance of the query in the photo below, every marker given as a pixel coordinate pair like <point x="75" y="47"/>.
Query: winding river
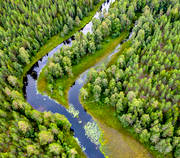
<point x="44" y="103"/>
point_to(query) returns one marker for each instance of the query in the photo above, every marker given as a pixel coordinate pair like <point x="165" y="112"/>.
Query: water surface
<point x="44" y="103"/>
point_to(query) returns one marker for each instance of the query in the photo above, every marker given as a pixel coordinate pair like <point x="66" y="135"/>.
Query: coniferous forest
<point x="125" y="68"/>
<point x="24" y="27"/>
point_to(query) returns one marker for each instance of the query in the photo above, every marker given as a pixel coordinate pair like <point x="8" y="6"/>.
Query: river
<point x="44" y="103"/>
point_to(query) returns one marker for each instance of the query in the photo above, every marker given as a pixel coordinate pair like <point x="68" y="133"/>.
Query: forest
<point x="25" y="26"/>
<point x="143" y="84"/>
<point x="140" y="85"/>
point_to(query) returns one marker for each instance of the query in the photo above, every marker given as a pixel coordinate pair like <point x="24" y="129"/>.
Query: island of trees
<point x="25" y="26"/>
<point x="141" y="85"/>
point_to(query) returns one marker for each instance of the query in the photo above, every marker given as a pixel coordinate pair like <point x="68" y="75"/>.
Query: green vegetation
<point x="61" y="86"/>
<point x="58" y="39"/>
<point x="93" y="132"/>
<point x="66" y="65"/>
<point x="137" y="83"/>
<point x="123" y="47"/>
<point x="73" y="111"/>
<point x="139" y="89"/>
<point x="141" y="86"/>
<point x="111" y="128"/>
<point x="25" y="28"/>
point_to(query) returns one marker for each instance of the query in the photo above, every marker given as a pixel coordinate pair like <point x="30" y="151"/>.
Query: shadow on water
<point x="34" y="75"/>
<point x="44" y="103"/>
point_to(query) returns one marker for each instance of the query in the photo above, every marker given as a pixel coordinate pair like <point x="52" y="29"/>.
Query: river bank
<point x="52" y="43"/>
<point x="57" y="39"/>
<point x="44" y="103"/>
<point x="114" y="134"/>
<point x="86" y="62"/>
<point x="117" y="142"/>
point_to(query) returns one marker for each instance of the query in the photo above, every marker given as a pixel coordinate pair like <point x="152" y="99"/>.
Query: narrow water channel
<point x="44" y="103"/>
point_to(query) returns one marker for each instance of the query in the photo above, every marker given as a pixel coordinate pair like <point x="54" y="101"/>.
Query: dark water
<point x="44" y="103"/>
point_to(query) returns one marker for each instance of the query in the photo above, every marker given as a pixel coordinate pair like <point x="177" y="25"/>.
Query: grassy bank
<point x="116" y="139"/>
<point x="86" y="62"/>
<point x="57" y="39"/>
<point x="118" y="143"/>
<point x="52" y="43"/>
<point x="123" y="47"/>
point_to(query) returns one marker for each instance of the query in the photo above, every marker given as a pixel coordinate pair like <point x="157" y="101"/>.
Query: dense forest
<point x="25" y="26"/>
<point x="107" y="25"/>
<point x="143" y="85"/>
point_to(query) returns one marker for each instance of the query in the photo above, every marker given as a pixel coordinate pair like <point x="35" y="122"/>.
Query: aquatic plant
<point x="93" y="132"/>
<point x="73" y="111"/>
<point x="80" y="81"/>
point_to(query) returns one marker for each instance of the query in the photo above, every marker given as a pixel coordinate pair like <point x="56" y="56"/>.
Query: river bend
<point x="44" y="103"/>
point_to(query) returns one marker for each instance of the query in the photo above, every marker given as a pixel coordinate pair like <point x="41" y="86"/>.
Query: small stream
<point x="44" y="103"/>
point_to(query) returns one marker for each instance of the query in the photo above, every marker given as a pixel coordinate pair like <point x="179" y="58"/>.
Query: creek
<point x="44" y="103"/>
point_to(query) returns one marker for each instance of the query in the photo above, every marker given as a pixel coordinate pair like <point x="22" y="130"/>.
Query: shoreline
<point x="112" y="131"/>
<point x="55" y="40"/>
<point x="85" y="63"/>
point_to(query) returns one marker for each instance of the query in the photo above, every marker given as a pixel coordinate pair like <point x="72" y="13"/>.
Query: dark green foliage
<point x="143" y="86"/>
<point x="24" y="27"/>
<point x="108" y="24"/>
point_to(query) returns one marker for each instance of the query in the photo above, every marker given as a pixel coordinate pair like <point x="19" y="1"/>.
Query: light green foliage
<point x="84" y="93"/>
<point x="77" y="21"/>
<point x="73" y="111"/>
<point x="131" y="95"/>
<point x="126" y="119"/>
<point x="23" y="55"/>
<point x="13" y="80"/>
<point x="23" y="126"/>
<point x="45" y="137"/>
<point x="55" y="148"/>
<point x="144" y="136"/>
<point x="3" y="114"/>
<point x="32" y="150"/>
<point x="65" y="31"/>
<point x="73" y="153"/>
<point x="36" y="115"/>
<point x="147" y="75"/>
<point x="164" y="146"/>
